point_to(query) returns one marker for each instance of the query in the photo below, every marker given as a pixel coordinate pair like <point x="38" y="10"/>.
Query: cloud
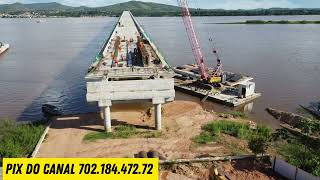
<point x="5" y="1"/>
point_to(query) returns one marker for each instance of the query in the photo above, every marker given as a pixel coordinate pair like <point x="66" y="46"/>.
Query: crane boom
<point x="196" y="49"/>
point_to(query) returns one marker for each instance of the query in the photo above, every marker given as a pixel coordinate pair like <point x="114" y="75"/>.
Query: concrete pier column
<point x="157" y="112"/>
<point x="102" y="113"/>
<point x="107" y="119"/>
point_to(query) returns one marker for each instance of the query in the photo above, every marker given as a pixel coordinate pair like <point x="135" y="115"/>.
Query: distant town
<point x="23" y="15"/>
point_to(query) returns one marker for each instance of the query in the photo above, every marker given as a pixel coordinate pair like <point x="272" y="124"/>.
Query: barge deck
<point x="236" y="90"/>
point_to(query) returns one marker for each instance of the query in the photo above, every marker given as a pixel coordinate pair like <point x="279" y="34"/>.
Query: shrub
<point x="263" y="131"/>
<point x="258" y="144"/>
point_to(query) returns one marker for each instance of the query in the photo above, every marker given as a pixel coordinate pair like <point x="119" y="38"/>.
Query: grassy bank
<point x="301" y="156"/>
<point x="18" y="140"/>
<point x="273" y="22"/>
<point x="121" y="132"/>
<point x="297" y="150"/>
<point x="212" y="130"/>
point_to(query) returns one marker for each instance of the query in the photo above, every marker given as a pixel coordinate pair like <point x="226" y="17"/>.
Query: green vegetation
<point x="149" y="134"/>
<point x="139" y="8"/>
<point x="309" y="126"/>
<point x="281" y="22"/>
<point x="18" y="140"/>
<point x="240" y="130"/>
<point x="274" y="22"/>
<point x="204" y="138"/>
<point x="301" y="149"/>
<point x="301" y="156"/>
<point x="238" y="114"/>
<point x="259" y="144"/>
<point x="121" y="132"/>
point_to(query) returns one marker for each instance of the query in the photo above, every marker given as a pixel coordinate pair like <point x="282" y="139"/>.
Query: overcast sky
<point x="212" y="4"/>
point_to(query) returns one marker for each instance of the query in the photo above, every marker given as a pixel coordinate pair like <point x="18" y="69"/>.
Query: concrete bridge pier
<point x="105" y="107"/>
<point x="157" y="113"/>
<point x="157" y="102"/>
<point x="107" y="119"/>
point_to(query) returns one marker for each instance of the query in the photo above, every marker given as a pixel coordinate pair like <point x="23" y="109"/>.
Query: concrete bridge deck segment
<point x="129" y="68"/>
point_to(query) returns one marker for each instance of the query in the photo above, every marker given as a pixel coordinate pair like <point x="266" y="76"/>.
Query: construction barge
<point x="210" y="83"/>
<point x="234" y="90"/>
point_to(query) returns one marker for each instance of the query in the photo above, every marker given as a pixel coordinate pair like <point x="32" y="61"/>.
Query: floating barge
<point x="236" y="90"/>
<point x="129" y="68"/>
<point x="3" y="47"/>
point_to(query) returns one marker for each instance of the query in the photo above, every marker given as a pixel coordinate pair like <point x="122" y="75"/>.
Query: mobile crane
<point x="206" y="77"/>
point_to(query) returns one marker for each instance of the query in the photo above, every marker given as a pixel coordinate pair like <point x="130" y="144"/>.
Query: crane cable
<point x="218" y="68"/>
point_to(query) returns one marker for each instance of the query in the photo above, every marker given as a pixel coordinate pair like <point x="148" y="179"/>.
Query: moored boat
<point x="3" y="47"/>
<point x="313" y="108"/>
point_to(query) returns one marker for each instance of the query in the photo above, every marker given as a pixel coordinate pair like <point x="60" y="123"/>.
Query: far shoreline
<point x="262" y="22"/>
<point x="115" y="16"/>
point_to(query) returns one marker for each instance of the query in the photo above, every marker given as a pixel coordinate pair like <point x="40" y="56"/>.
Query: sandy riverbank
<point x="182" y="120"/>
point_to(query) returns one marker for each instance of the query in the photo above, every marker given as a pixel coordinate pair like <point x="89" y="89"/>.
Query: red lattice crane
<point x="196" y="49"/>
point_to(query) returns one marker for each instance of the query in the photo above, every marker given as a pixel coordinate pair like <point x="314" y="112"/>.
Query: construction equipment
<point x="216" y="76"/>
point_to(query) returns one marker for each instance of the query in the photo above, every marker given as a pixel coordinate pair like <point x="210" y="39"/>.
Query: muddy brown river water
<point x="47" y="61"/>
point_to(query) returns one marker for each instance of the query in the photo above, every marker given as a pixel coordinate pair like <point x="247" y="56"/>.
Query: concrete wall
<point x="291" y="172"/>
<point x="155" y="90"/>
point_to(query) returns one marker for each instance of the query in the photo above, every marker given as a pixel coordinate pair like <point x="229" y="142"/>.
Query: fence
<point x="291" y="172"/>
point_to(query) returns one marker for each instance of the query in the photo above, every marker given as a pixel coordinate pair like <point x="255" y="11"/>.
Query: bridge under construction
<point x="129" y="68"/>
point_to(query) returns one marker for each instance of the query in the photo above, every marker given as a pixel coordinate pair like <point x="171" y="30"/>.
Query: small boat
<point x="40" y="21"/>
<point x="3" y="47"/>
<point x="313" y="108"/>
<point x="50" y="110"/>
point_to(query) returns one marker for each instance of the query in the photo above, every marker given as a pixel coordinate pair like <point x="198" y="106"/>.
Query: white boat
<point x="40" y="21"/>
<point x="3" y="47"/>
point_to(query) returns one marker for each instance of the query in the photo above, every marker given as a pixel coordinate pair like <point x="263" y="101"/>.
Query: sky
<point x="209" y="4"/>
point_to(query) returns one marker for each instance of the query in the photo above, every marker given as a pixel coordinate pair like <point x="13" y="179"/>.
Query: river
<point x="47" y="61"/>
